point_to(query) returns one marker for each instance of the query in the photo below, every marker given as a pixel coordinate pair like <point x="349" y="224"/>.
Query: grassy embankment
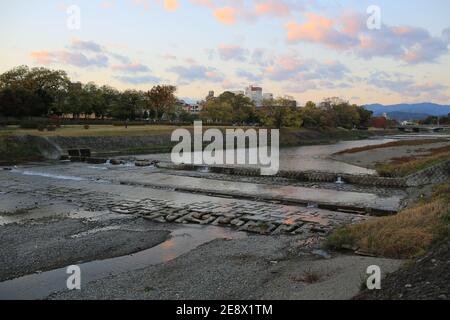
<point x="93" y="131"/>
<point x="406" y="165"/>
<point x="406" y="235"/>
<point x="16" y="152"/>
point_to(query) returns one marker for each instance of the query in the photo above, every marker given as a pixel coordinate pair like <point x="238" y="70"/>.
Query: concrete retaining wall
<point x="436" y="174"/>
<point x="113" y="144"/>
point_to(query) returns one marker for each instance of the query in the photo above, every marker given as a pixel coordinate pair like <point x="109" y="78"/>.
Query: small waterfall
<point x="339" y="180"/>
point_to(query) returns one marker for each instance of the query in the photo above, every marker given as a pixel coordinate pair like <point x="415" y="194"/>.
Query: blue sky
<point x="308" y="49"/>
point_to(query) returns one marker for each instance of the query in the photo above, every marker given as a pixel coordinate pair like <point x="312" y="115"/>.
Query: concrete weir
<point x="323" y="198"/>
<point x="310" y="176"/>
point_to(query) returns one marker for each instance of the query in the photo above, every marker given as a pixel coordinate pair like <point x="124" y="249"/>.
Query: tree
<point x="162" y="100"/>
<point x="281" y="112"/>
<point x="217" y="111"/>
<point x="17" y="102"/>
<point x="44" y="84"/>
<point x="130" y="105"/>
<point x="346" y="115"/>
<point x="364" y="116"/>
<point x="109" y="98"/>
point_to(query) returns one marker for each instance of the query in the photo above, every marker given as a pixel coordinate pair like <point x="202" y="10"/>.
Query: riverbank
<point x="398" y="158"/>
<point x="421" y="234"/>
<point x="17" y="144"/>
<point x="155" y="233"/>
<point x="83" y="213"/>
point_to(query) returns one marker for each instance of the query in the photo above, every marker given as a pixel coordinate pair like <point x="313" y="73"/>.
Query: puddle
<point x="183" y="240"/>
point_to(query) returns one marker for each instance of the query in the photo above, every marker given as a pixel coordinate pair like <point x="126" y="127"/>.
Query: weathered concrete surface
<point x="164" y="204"/>
<point x="287" y="193"/>
<point x="436" y="174"/>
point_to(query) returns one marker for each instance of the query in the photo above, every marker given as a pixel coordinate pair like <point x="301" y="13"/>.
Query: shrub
<point x="86" y="126"/>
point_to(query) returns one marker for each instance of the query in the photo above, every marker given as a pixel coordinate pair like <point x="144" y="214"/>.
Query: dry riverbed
<point x="56" y="215"/>
<point x="372" y="157"/>
<point x="150" y="233"/>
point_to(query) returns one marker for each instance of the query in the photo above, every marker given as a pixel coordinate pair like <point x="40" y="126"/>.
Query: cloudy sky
<point x="310" y="49"/>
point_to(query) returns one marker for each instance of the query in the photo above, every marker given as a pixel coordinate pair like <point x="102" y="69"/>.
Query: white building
<point x="268" y="96"/>
<point x="257" y="96"/>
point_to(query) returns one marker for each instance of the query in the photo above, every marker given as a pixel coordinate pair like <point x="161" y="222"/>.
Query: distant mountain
<point x="417" y="111"/>
<point x="405" y="116"/>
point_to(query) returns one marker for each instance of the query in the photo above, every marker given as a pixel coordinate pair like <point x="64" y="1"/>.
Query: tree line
<point x="39" y="92"/>
<point x="284" y="112"/>
<point x="35" y="92"/>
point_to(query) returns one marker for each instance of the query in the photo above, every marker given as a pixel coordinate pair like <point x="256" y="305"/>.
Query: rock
<point x="349" y="247"/>
<point x="116" y="162"/>
<point x="321" y="253"/>
<point x="95" y="160"/>
<point x="224" y="220"/>
<point x="142" y="163"/>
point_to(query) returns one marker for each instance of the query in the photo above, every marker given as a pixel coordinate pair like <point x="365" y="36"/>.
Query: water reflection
<point x="183" y="240"/>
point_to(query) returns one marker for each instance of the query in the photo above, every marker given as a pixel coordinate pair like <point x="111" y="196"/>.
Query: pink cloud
<point x="318" y="29"/>
<point x="77" y="59"/>
<point x="171" y="5"/>
<point x="226" y="15"/>
<point x="349" y="32"/>
<point x="42" y="57"/>
<point x="277" y="8"/>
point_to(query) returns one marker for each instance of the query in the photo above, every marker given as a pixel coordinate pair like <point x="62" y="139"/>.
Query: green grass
<point x="93" y="131"/>
<point x="405" y="235"/>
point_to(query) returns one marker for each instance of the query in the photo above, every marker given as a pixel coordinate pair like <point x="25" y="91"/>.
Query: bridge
<point x="423" y="128"/>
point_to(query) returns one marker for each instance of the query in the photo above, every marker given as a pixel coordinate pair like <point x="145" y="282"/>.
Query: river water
<point x="308" y="158"/>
